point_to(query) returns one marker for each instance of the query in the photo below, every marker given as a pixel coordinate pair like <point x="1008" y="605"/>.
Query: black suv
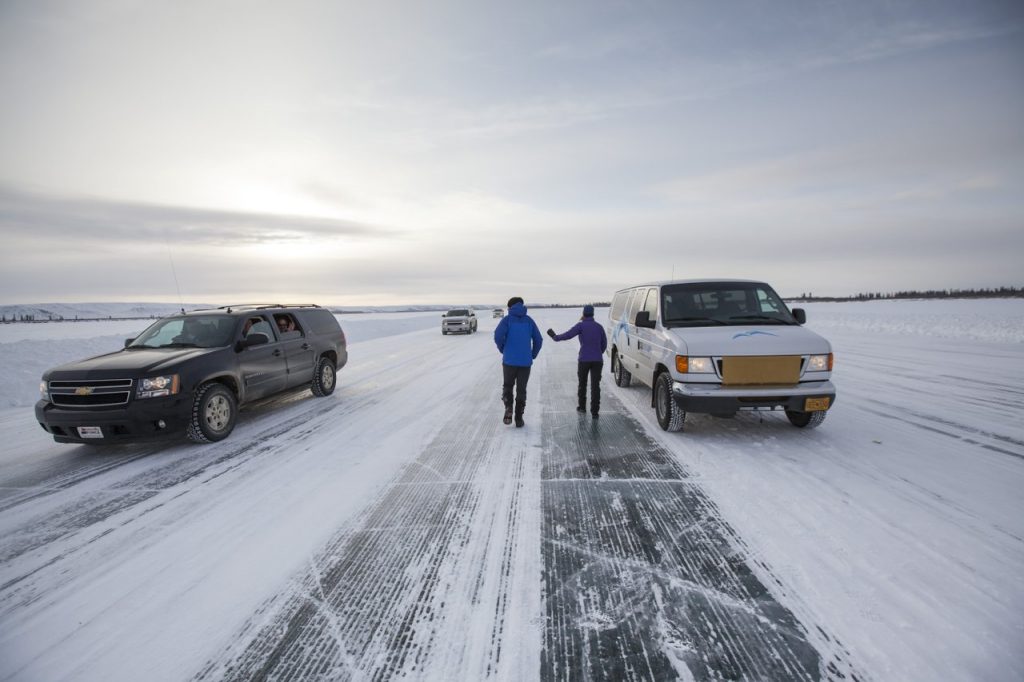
<point x="188" y="373"/>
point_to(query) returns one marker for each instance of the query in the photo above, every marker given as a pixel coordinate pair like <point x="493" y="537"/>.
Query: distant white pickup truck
<point x="717" y="347"/>
<point x="459" y="321"/>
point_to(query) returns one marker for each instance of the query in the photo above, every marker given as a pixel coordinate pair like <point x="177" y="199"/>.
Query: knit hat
<point x="588" y="311"/>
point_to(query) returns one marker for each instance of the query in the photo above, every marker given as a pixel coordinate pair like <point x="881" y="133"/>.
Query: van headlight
<point x="687" y="365"/>
<point x="819" y="363"/>
<point x="157" y="387"/>
<point x="44" y="391"/>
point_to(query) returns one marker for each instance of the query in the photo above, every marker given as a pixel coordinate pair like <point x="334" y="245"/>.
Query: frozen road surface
<point x="398" y="530"/>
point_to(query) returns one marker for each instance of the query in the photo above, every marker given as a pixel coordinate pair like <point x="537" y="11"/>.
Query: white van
<point x="717" y="347"/>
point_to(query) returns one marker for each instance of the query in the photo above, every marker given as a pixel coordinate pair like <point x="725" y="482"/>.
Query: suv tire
<point x="621" y="374"/>
<point x="324" y="378"/>
<point x="214" y="411"/>
<point x="670" y="415"/>
<point x="806" y="420"/>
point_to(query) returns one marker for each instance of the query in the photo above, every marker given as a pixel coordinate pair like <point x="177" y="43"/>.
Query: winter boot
<point x="520" y="407"/>
<point x="508" y="414"/>
<point x="581" y="408"/>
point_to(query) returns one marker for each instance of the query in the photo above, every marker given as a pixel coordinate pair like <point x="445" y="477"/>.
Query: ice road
<point x="398" y="530"/>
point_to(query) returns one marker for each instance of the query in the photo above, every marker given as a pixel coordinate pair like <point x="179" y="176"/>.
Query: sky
<point x="465" y="152"/>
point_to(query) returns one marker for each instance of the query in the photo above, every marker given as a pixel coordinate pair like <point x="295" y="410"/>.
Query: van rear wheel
<point x="806" y="420"/>
<point x="670" y="415"/>
<point x="621" y="374"/>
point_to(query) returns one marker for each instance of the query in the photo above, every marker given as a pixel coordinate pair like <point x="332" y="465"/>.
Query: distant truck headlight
<point x="156" y="387"/>
<point x="819" y="363"/>
<point x="44" y="391"/>
<point x="687" y="365"/>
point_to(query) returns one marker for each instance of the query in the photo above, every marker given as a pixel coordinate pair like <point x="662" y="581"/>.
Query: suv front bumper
<point x="719" y="399"/>
<point x="137" y="421"/>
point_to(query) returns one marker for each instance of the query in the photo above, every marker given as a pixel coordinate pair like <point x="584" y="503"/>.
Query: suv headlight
<point x="156" y="387"/>
<point x="687" y="365"/>
<point x="819" y="363"/>
<point x="44" y="390"/>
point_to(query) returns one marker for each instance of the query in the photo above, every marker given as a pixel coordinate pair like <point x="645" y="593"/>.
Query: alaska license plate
<point x="90" y="432"/>
<point x="815" y="404"/>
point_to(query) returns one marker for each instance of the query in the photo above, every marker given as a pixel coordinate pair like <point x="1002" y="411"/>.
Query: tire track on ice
<point x="434" y="580"/>
<point x="643" y="579"/>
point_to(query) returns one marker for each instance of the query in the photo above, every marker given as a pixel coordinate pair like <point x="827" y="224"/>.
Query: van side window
<point x="618" y="305"/>
<point x="635" y="299"/>
<point x="651" y="306"/>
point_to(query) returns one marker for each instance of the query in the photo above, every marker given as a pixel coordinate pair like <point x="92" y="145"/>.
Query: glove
<point x="551" y="333"/>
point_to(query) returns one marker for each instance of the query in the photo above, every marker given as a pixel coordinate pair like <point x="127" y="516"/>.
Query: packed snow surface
<point x="398" y="529"/>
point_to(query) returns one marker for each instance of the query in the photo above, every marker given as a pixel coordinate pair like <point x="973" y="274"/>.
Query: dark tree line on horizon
<point x="995" y="292"/>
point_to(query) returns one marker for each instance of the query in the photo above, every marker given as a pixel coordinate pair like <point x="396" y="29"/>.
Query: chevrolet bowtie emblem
<point x="83" y="390"/>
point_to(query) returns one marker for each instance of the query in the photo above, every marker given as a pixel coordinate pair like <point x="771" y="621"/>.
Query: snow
<point x="894" y="533"/>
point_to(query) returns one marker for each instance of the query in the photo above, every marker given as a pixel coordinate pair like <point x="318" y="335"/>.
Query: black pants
<point x="593" y="369"/>
<point x="517" y="376"/>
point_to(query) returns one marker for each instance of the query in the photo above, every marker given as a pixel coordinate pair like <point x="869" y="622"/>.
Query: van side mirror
<point x="800" y="315"/>
<point x="643" y="319"/>
<point x="128" y="342"/>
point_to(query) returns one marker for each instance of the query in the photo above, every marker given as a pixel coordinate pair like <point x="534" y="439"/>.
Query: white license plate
<point x="90" y="432"/>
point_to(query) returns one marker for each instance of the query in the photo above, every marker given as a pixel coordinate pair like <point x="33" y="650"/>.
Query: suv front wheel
<point x="214" y="412"/>
<point x="324" y="378"/>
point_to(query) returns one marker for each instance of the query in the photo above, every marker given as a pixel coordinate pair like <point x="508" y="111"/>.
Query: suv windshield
<point x="708" y="304"/>
<point x="189" y="331"/>
<point x="457" y="313"/>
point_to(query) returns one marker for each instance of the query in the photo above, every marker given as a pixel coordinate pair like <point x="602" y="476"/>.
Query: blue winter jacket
<point x="593" y="340"/>
<point x="518" y="338"/>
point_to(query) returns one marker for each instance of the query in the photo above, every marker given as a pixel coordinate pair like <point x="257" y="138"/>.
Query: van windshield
<point x="707" y="304"/>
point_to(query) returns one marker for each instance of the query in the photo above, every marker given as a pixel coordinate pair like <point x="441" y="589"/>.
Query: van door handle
<point x="305" y="346"/>
<point x="277" y="353"/>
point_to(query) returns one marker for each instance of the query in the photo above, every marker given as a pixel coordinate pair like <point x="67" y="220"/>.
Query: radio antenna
<point x="174" y="272"/>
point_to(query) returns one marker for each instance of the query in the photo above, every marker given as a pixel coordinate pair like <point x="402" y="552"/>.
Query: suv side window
<point x="319" y="321"/>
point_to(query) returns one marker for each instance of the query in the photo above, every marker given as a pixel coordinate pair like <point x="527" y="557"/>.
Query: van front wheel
<point x="621" y="374"/>
<point x="670" y="415"/>
<point x="806" y="420"/>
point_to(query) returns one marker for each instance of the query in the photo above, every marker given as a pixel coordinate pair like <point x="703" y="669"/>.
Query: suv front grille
<point x="90" y="393"/>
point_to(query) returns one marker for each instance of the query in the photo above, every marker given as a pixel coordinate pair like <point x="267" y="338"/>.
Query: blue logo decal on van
<point x="753" y="333"/>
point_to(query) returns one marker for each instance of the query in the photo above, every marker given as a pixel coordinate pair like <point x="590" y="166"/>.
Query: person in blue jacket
<point x="519" y="341"/>
<point x="593" y="343"/>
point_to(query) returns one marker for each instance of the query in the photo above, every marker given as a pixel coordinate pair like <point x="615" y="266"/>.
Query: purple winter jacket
<point x="593" y="340"/>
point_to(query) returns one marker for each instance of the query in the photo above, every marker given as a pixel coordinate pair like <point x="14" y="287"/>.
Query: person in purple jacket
<point x="593" y="343"/>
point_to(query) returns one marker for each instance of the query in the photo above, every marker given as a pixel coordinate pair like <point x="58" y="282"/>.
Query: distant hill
<point x="47" y="312"/>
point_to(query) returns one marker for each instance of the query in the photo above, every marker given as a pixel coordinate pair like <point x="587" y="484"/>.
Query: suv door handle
<point x="277" y="352"/>
<point x="305" y="346"/>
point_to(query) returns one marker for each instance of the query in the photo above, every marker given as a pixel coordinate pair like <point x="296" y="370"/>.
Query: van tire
<point x="670" y="415"/>
<point x="806" y="420"/>
<point x="325" y="378"/>
<point x="214" y="411"/>
<point x="621" y="374"/>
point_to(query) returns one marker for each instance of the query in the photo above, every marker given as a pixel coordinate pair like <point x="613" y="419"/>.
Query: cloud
<point x="32" y="216"/>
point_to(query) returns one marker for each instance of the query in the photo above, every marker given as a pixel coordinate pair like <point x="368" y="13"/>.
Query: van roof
<point x="703" y="280"/>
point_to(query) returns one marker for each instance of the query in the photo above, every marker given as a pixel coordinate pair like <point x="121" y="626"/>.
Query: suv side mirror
<point x="254" y="339"/>
<point x="643" y="319"/>
<point x="800" y="315"/>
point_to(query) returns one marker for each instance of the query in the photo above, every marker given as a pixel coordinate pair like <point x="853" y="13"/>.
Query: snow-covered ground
<point x="397" y="528"/>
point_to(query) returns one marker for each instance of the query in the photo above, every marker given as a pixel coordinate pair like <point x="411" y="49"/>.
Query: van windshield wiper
<point x="179" y="344"/>
<point x="759" y="317"/>
<point x="695" y="319"/>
